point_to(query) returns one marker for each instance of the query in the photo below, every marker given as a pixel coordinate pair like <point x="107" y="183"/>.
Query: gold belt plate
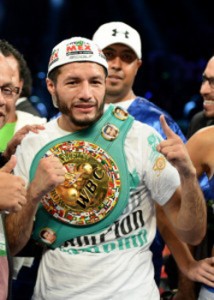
<point x="91" y="187"/>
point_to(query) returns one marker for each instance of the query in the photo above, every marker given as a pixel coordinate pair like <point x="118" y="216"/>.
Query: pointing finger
<point x="167" y="130"/>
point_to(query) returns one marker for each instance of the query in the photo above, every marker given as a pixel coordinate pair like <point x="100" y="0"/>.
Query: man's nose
<point x="205" y="88"/>
<point x="85" y="91"/>
<point x="116" y="62"/>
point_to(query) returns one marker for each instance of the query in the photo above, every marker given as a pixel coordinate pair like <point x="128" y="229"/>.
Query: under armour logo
<point x="115" y="32"/>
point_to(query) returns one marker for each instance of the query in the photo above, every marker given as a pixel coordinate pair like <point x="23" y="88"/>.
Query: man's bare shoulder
<point x="203" y="137"/>
<point x="201" y="149"/>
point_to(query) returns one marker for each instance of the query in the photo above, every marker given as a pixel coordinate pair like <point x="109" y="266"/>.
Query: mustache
<point x="115" y="75"/>
<point x="85" y="102"/>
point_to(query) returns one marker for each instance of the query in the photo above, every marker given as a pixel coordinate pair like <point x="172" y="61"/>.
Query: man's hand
<point x="17" y="138"/>
<point x="12" y="188"/>
<point x="175" y="151"/>
<point x="202" y="271"/>
<point x="49" y="174"/>
<point x="186" y="208"/>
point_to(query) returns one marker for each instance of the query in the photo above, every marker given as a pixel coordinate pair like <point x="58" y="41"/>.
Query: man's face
<point x="123" y="66"/>
<point x="207" y="89"/>
<point x="49" y="236"/>
<point x="79" y="93"/>
<point x="111" y="131"/>
<point x="6" y="75"/>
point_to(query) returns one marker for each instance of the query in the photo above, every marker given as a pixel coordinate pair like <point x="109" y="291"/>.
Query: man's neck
<point x="12" y="118"/>
<point x="119" y="98"/>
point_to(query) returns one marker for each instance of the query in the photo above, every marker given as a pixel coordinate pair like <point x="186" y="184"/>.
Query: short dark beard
<point x="80" y="123"/>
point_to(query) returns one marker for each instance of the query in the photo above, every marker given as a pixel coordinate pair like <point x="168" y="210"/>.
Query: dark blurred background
<point x="177" y="41"/>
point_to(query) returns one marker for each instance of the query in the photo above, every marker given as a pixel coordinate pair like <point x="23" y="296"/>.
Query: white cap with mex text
<point x="76" y="49"/>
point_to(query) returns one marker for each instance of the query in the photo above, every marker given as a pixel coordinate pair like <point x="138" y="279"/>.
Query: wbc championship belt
<point x="97" y="182"/>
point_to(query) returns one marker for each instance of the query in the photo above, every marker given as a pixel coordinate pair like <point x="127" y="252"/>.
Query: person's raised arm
<point x="186" y="209"/>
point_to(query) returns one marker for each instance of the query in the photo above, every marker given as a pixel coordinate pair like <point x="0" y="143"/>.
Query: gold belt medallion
<point x="91" y="187"/>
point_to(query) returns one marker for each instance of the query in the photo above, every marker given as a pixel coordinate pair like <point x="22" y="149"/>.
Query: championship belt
<point x="97" y="182"/>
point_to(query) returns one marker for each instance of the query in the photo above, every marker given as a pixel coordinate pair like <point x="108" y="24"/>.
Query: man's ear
<point x="139" y="63"/>
<point x="21" y="86"/>
<point x="50" y="86"/>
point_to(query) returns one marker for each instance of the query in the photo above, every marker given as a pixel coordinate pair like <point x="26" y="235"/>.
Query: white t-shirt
<point x="25" y="118"/>
<point x="116" y="263"/>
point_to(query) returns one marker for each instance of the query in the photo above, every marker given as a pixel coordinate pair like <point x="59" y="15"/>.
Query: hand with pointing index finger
<point x="175" y="150"/>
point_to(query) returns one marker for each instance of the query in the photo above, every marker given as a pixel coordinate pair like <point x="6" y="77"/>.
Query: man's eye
<point x="128" y="58"/>
<point x="209" y="79"/>
<point x="96" y="82"/>
<point x="108" y="55"/>
<point x="71" y="82"/>
<point x="7" y="91"/>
